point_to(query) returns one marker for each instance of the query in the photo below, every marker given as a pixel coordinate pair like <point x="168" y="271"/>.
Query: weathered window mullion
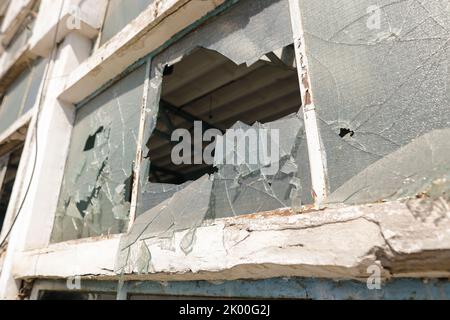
<point x="315" y="150"/>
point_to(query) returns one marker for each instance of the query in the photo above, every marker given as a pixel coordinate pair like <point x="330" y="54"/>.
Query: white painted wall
<point x="54" y="127"/>
<point x="84" y="16"/>
<point x="53" y="136"/>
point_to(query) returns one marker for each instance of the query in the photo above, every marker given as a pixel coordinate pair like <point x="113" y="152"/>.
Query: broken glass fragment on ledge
<point x="241" y="186"/>
<point x="186" y="210"/>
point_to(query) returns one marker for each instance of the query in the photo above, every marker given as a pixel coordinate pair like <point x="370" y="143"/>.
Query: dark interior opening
<point x="7" y="179"/>
<point x="344" y="132"/>
<point x="206" y="86"/>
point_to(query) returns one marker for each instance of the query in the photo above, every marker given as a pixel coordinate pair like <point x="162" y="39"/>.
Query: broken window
<point x="380" y="83"/>
<point x="21" y="95"/>
<point x="207" y="91"/>
<point x="96" y="191"/>
<point x="237" y="73"/>
<point x="207" y="87"/>
<point x="245" y="78"/>
<point x="119" y="14"/>
<point x="237" y="77"/>
<point x="9" y="165"/>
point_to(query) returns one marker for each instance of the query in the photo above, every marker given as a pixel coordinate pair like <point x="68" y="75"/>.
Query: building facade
<point x="224" y="149"/>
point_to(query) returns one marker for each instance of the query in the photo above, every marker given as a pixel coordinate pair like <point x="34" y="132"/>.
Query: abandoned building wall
<point x="31" y="63"/>
<point x="375" y="76"/>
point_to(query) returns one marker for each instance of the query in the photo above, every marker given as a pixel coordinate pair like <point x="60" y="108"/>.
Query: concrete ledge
<point x="43" y="46"/>
<point x="155" y="26"/>
<point x="337" y="243"/>
<point x="89" y="16"/>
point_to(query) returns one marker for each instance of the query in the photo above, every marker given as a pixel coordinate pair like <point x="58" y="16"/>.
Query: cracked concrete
<point x="335" y="243"/>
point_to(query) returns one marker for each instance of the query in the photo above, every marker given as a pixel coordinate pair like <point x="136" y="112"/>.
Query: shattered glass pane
<point x="155" y="193"/>
<point x="249" y="44"/>
<point x="243" y="34"/>
<point x="249" y="37"/>
<point x="160" y="224"/>
<point x="96" y="192"/>
<point x="261" y="186"/>
<point x="21" y="95"/>
<point x="380" y="82"/>
<point x="119" y="14"/>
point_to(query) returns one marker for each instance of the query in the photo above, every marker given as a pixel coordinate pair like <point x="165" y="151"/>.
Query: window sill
<point x="336" y="243"/>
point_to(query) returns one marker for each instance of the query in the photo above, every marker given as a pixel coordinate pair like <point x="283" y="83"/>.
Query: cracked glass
<point x="96" y="192"/>
<point x="380" y="84"/>
<point x="237" y="76"/>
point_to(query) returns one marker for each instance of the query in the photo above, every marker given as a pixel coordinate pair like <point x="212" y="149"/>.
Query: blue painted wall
<point x="298" y="288"/>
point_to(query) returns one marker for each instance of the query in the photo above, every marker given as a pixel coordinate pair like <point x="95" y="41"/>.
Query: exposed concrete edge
<point x="150" y="30"/>
<point x="338" y="243"/>
<point x="44" y="45"/>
